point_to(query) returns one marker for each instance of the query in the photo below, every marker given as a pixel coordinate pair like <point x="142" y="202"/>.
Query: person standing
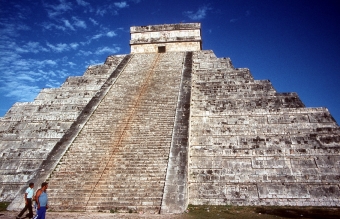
<point x="28" y="202"/>
<point x="41" y="199"/>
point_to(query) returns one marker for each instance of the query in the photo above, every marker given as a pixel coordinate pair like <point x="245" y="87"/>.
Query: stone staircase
<point x="118" y="161"/>
<point x="250" y="145"/>
<point x="29" y="131"/>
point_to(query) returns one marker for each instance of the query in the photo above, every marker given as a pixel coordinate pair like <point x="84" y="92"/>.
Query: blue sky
<point x="293" y="43"/>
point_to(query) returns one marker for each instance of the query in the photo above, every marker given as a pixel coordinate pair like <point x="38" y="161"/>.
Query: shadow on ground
<point x="305" y="212"/>
<point x="263" y="212"/>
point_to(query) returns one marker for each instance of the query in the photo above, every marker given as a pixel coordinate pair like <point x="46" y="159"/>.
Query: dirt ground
<point x="90" y="215"/>
<point x="203" y="212"/>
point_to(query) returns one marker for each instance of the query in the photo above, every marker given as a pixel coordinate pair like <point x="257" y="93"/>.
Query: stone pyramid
<point x="166" y="126"/>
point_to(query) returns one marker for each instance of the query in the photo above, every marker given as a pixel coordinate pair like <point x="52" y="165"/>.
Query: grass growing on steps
<point x="263" y="212"/>
<point x="4" y="205"/>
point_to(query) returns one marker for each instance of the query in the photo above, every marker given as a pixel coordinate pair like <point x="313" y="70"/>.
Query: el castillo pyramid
<point x="166" y="126"/>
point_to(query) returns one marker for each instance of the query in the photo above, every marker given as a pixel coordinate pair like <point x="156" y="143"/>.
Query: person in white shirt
<point x="28" y="202"/>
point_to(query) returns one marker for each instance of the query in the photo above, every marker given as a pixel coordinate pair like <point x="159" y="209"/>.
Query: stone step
<point x="131" y="162"/>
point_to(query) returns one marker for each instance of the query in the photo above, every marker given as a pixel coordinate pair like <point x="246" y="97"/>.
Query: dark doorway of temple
<point x="161" y="49"/>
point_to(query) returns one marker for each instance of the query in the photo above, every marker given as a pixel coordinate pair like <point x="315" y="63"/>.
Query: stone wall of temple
<point x="250" y="145"/>
<point x="175" y="37"/>
<point x="169" y="47"/>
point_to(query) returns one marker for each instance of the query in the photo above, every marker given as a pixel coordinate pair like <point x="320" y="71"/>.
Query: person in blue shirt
<point x="41" y="199"/>
<point x="28" y="202"/>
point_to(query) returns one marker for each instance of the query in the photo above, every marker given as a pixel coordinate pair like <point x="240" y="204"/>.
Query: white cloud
<point x="33" y="44"/>
<point x="21" y="50"/>
<point x="22" y="64"/>
<point x="94" y="22"/>
<point x="25" y="77"/>
<point x="112" y="8"/>
<point x="63" y="73"/>
<point x="82" y="3"/>
<point x="7" y="57"/>
<point x="101" y="11"/>
<point x="61" y="47"/>
<point x="198" y="15"/>
<point x="97" y="36"/>
<point x="48" y="62"/>
<point x="68" y="24"/>
<point x="84" y="43"/>
<point x="22" y="91"/>
<point x="121" y="4"/>
<point x="100" y="35"/>
<point x="46" y="75"/>
<point x="71" y="64"/>
<point x="63" y="6"/>
<point x="55" y="10"/>
<point x="49" y="26"/>
<point x="93" y="63"/>
<point x="8" y="30"/>
<point x="84" y="53"/>
<point x="111" y="34"/>
<point x="22" y="27"/>
<point x="107" y="50"/>
<point x="52" y="84"/>
<point x="74" y="45"/>
<point x="17" y="78"/>
<point x="29" y="47"/>
<point x="79" y="23"/>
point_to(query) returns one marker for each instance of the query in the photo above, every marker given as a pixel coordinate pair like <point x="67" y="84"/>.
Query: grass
<point x="263" y="212"/>
<point x="4" y="205"/>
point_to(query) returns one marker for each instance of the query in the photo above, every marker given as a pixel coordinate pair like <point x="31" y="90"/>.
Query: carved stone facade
<point x="154" y="131"/>
<point x="166" y="38"/>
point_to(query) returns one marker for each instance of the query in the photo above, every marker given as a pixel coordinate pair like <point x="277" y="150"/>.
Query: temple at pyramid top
<point x="166" y="38"/>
